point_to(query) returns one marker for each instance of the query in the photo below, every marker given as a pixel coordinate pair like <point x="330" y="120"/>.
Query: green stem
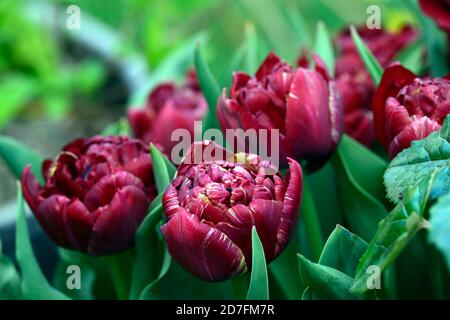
<point x="309" y="215"/>
<point x="118" y="276"/>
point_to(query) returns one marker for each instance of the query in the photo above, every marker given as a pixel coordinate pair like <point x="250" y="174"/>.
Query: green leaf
<point x="34" y="283"/>
<point x="251" y="44"/>
<point x="298" y="25"/>
<point x="371" y="63"/>
<point x="259" y="283"/>
<point x="17" y="156"/>
<point x="411" y="57"/>
<point x="9" y="279"/>
<point x="148" y="292"/>
<point x="418" y="161"/>
<point x="163" y="170"/>
<point x="175" y="65"/>
<point x="210" y="88"/>
<point x="233" y="65"/>
<point x="439" y="231"/>
<point x="328" y="282"/>
<point x="15" y="91"/>
<point x="394" y="233"/>
<point x="323" y="46"/>
<point x="359" y="186"/>
<point x="120" y="127"/>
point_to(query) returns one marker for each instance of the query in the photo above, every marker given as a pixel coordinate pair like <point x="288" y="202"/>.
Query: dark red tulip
<point x="439" y="11"/>
<point x="168" y="107"/>
<point x="353" y="81"/>
<point x="408" y="108"/>
<point x="212" y="206"/>
<point x="301" y="103"/>
<point x="96" y="193"/>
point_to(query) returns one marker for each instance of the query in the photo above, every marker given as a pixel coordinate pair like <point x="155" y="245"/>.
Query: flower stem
<point x="311" y="221"/>
<point x="117" y="273"/>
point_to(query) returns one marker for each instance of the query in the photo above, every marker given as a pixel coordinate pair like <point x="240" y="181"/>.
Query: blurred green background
<point x="57" y="84"/>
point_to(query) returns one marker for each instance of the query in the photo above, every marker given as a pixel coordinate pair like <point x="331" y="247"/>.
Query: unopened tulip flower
<point x="299" y="102"/>
<point x="169" y="107"/>
<point x="96" y="193"/>
<point x="408" y="108"/>
<point x="212" y="206"/>
<point x="353" y="81"/>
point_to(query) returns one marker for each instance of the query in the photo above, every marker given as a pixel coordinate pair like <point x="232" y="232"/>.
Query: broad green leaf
<point x="233" y="65"/>
<point x="146" y="240"/>
<point x="328" y="282"/>
<point x="342" y="252"/>
<point x="394" y="233"/>
<point x="323" y="46"/>
<point x="439" y="231"/>
<point x="175" y="65"/>
<point x="418" y="161"/>
<point x="298" y="25"/>
<point x="259" y="283"/>
<point x="251" y="43"/>
<point x="163" y="171"/>
<point x="15" y="91"/>
<point x="34" y="284"/>
<point x="210" y="88"/>
<point x="17" y="156"/>
<point x="148" y="292"/>
<point x="120" y="127"/>
<point x="9" y="279"/>
<point x="411" y="57"/>
<point x="371" y="63"/>
<point x="358" y="192"/>
<point x="433" y="39"/>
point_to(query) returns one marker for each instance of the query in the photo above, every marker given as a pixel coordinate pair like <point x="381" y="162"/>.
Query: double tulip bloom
<point x="408" y="108"/>
<point x="301" y="103"/>
<point x="353" y="81"/>
<point x="168" y="107"/>
<point x="96" y="193"/>
<point x="212" y="206"/>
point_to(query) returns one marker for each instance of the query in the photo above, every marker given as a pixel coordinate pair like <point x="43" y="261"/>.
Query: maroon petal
<point x="159" y="96"/>
<point x="141" y="121"/>
<point x="117" y="223"/>
<point x="31" y="188"/>
<point x="439" y="10"/>
<point x="291" y="205"/>
<point x="203" y="250"/>
<point x="394" y="78"/>
<point x="267" y="65"/>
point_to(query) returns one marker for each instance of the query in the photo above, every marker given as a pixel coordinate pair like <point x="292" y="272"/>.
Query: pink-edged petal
<point x="291" y="205"/>
<point x="203" y="250"/>
<point x="397" y="118"/>
<point x="117" y="222"/>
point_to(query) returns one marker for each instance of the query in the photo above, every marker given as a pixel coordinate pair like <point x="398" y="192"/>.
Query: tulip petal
<point x="203" y="250"/>
<point x="267" y="65"/>
<point x="117" y="223"/>
<point x="141" y="121"/>
<point x="31" y="188"/>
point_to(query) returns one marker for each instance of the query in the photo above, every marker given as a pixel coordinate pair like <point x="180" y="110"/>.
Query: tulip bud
<point x="409" y="108"/>
<point x="301" y="103"/>
<point x="353" y="81"/>
<point x="212" y="206"/>
<point x="169" y="107"/>
<point x="96" y="193"/>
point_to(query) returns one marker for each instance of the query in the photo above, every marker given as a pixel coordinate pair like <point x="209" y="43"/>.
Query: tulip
<point x="408" y="108"/>
<point x="96" y="193"/>
<point x="168" y="107"/>
<point x="439" y="11"/>
<point x="301" y="103"/>
<point x="353" y="81"/>
<point x="212" y="206"/>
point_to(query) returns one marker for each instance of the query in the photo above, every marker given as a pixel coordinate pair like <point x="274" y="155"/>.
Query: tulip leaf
<point x="359" y="187"/>
<point x="210" y="88"/>
<point x="175" y="65"/>
<point x="17" y="156"/>
<point x="34" y="284"/>
<point x="259" y="282"/>
<point x="323" y="46"/>
<point x="251" y="42"/>
<point x="418" y="161"/>
<point x="439" y="232"/>
<point x="394" y="233"/>
<point x="298" y="25"/>
<point x="146" y="240"/>
<point x="328" y="283"/>
<point x="342" y="252"/>
<point x="163" y="169"/>
<point x="120" y="127"/>
<point x="148" y="292"/>
<point x="411" y="57"/>
<point x="372" y="65"/>
<point x="232" y="65"/>
<point x="9" y="279"/>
